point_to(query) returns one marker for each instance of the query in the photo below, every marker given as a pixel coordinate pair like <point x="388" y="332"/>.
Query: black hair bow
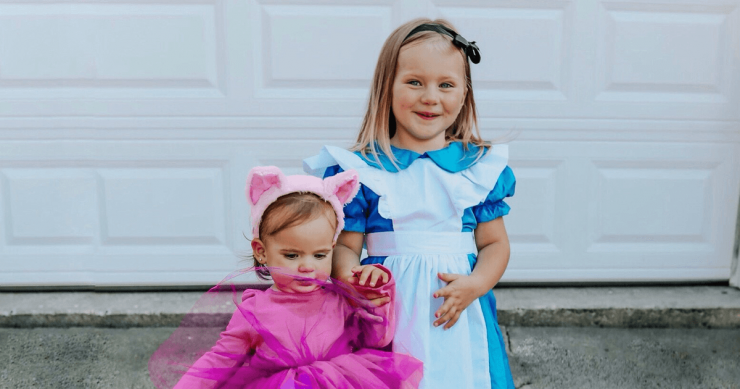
<point x="470" y="48"/>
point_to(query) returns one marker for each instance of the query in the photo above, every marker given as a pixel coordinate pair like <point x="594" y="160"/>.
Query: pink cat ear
<point x="261" y="179"/>
<point x="344" y="185"/>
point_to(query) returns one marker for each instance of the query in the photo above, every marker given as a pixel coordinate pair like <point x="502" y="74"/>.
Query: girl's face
<point x="428" y="93"/>
<point x="304" y="250"/>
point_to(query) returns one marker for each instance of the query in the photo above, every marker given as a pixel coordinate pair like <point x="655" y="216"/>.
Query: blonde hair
<point x="379" y="124"/>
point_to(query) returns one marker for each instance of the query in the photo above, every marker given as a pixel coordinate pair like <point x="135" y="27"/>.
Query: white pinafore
<point x="426" y="205"/>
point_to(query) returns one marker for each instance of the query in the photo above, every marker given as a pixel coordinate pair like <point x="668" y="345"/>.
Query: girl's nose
<point x="430" y="96"/>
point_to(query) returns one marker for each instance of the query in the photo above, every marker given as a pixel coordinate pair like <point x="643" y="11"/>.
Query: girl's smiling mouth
<point x="426" y="115"/>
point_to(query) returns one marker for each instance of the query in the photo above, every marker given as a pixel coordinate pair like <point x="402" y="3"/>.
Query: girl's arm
<point x="347" y="255"/>
<point x="461" y="290"/>
<point x="346" y="265"/>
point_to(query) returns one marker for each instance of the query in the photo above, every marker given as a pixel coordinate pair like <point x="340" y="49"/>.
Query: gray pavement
<point x="557" y="337"/>
<point x="541" y="357"/>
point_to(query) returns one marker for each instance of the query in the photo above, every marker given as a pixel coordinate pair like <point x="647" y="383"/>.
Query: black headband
<point x="471" y="50"/>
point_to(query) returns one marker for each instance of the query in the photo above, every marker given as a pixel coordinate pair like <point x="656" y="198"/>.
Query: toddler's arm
<point x="461" y="290"/>
<point x="230" y="351"/>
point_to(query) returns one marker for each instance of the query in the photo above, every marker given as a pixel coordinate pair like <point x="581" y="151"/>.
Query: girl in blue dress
<point x="430" y="206"/>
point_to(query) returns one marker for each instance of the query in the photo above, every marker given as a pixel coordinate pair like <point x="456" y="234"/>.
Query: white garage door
<point x="127" y="129"/>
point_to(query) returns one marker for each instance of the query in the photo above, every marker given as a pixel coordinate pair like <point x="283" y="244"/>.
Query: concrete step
<point x="625" y="307"/>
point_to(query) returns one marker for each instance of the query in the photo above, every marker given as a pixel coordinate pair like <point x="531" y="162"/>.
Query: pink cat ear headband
<point x="266" y="183"/>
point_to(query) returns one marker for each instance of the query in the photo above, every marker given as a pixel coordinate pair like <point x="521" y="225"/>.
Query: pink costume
<point x="327" y="338"/>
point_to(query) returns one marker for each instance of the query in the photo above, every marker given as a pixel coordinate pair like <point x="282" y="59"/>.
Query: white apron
<point x="426" y="205"/>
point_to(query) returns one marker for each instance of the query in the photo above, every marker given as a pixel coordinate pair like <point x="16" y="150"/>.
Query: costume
<point x="305" y="340"/>
<point x="325" y="338"/>
<point x="419" y="220"/>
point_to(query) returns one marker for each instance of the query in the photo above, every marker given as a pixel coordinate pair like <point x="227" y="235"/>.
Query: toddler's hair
<point x="379" y="124"/>
<point x="291" y="210"/>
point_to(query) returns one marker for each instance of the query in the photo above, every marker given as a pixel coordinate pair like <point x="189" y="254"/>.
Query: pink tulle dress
<point x="327" y="338"/>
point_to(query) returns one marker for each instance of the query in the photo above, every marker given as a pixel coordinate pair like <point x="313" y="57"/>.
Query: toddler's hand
<point x="370" y="276"/>
<point x="460" y="292"/>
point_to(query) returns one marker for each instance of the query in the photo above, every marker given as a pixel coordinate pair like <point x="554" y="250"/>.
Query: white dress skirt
<point x="426" y="205"/>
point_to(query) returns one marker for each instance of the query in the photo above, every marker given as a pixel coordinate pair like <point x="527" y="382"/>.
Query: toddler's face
<point x="428" y="93"/>
<point x="304" y="250"/>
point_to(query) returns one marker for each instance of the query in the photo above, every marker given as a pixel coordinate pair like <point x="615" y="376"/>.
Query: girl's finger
<point x="448" y="306"/>
<point x="452" y="321"/>
<point x="376" y="275"/>
<point x="448" y="277"/>
<point x="366" y="271"/>
<point x="443" y="292"/>
<point x="448" y="315"/>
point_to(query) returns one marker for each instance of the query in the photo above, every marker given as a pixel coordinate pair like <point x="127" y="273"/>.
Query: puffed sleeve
<point x="231" y="350"/>
<point x="494" y="206"/>
<point x="355" y="213"/>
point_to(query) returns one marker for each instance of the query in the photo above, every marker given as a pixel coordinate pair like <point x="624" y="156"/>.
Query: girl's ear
<point x="343" y="185"/>
<point x="260" y="180"/>
<point x="258" y="250"/>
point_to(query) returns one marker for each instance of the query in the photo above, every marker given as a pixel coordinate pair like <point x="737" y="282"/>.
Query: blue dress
<point x="418" y="220"/>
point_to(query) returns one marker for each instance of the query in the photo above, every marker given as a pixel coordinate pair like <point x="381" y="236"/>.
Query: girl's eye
<point x="415" y="83"/>
<point x="291" y="256"/>
<point x="320" y="256"/>
<point x="446" y="85"/>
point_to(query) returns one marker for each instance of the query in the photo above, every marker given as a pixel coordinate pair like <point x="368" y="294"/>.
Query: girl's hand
<point x="461" y="291"/>
<point x="370" y="276"/>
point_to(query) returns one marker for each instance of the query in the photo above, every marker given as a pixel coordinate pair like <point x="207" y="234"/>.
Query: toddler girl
<point x="430" y="206"/>
<point x="304" y="331"/>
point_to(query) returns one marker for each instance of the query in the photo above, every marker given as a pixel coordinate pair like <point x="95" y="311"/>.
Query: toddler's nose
<point x="306" y="267"/>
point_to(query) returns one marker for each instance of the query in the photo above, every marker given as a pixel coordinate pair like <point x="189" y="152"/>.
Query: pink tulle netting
<point x="330" y="338"/>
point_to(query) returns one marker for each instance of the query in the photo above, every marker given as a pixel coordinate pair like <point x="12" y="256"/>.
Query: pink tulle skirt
<point x="323" y="346"/>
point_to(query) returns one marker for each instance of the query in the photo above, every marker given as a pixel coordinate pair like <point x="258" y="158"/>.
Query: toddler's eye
<point x="446" y="85"/>
<point x="291" y="256"/>
<point x="320" y="256"/>
<point x="414" y="83"/>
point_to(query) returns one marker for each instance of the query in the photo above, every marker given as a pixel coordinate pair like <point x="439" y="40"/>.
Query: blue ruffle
<point x="453" y="158"/>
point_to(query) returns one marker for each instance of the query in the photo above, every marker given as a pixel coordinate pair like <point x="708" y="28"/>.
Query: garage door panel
<point x="137" y="51"/>
<point x="240" y="59"/>
<point x="641" y="204"/>
<point x="637" y="62"/>
<point x="633" y="209"/>
<point x="604" y="59"/>
<point x="160" y="206"/>
<point x="49" y="207"/>
<point x="524" y="47"/>
<point x="131" y="212"/>
<point x="536" y="206"/>
<point x="337" y="58"/>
